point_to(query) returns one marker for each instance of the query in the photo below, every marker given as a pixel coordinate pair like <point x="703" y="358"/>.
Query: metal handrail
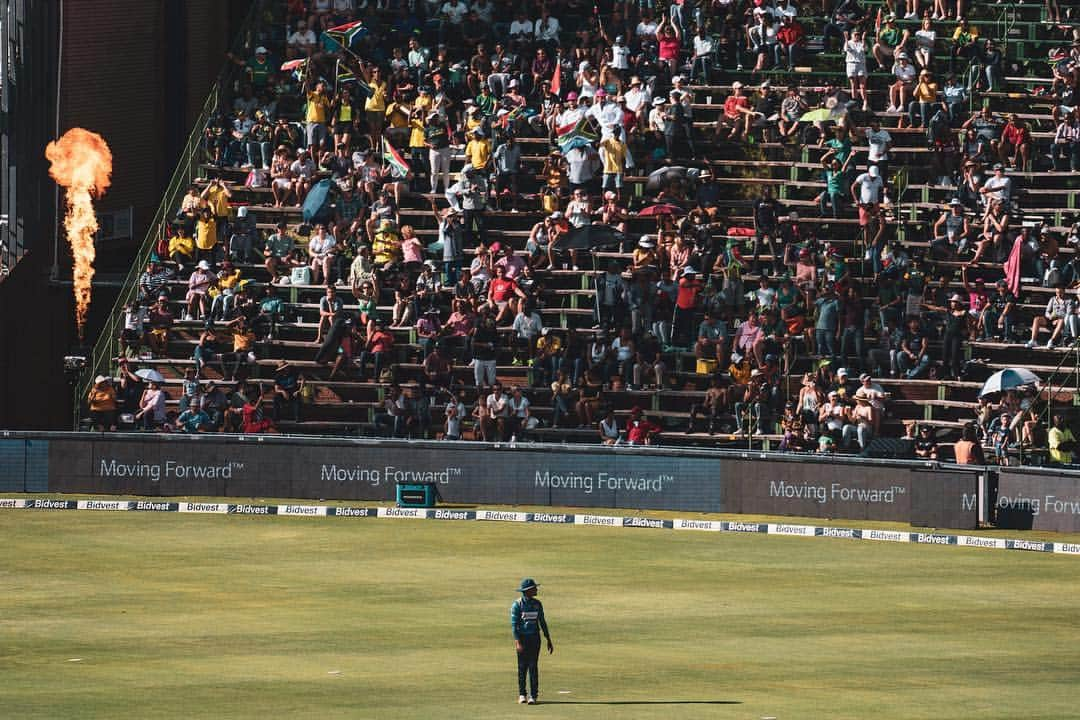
<point x="102" y="359"/>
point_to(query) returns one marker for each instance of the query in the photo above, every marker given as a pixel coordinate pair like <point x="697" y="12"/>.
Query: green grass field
<point x="253" y="617"/>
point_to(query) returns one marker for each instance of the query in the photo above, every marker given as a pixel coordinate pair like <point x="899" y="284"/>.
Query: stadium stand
<point x="730" y="224"/>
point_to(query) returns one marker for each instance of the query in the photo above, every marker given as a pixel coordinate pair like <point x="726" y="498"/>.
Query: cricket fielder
<point x="526" y="622"/>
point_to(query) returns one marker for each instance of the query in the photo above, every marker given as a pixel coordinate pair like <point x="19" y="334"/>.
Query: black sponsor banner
<point x="223" y="466"/>
<point x="1039" y="500"/>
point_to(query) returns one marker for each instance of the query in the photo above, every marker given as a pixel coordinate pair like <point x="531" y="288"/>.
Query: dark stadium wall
<point x="128" y="69"/>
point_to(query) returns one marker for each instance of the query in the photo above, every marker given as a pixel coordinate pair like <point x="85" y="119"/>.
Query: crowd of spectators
<point x="623" y="83"/>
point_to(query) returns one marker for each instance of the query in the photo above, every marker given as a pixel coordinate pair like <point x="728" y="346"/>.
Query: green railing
<point x="103" y="359"/>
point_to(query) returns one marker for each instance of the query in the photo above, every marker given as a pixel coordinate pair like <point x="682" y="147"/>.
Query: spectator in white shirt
<point x="547" y="28"/>
<point x="302" y="42"/>
<point x="866" y="190"/>
<point x="620" y="54"/>
<point x="454" y="12"/>
<point x="703" y="55"/>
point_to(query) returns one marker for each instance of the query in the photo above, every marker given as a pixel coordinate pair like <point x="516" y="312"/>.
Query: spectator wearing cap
<point x="199" y="283"/>
<point x="866" y="191"/>
<point x="923" y="100"/>
<point x="998" y="187"/>
<point x="951" y="230"/>
<point x="901" y="90"/>
<point x="638" y="99"/>
<point x="302" y="171"/>
<point x="194" y="419"/>
<point x="507" y="168"/>
<point x="890" y="41"/>
<point x="914" y="357"/>
<point x="101" y="402"/>
<point x="965" y="40"/>
<point x="737" y="116"/>
<point x="224" y="291"/>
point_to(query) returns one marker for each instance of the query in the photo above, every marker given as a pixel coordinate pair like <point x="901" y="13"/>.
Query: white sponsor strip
<point x="608" y="520"/>
<point x="497" y="516"/>
<point x="506" y="516"/>
<point x="303" y="510"/>
<point x="104" y="505"/>
<point x="217" y="508"/>
<point x="980" y="542"/>
<point x="886" y="535"/>
<point x="706" y="525"/>
<point x="396" y="512"/>
<point x="784" y="529"/>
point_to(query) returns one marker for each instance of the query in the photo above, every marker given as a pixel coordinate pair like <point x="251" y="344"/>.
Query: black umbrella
<point x="591" y="237"/>
<point x="664" y="177"/>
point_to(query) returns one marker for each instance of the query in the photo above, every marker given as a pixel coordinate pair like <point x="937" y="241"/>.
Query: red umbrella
<point x="661" y="209"/>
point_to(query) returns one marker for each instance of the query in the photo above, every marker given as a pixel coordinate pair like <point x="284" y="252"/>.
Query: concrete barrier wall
<point x="578" y="476"/>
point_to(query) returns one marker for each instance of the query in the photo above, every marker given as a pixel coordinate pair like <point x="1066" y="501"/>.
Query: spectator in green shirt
<point x="891" y="40"/>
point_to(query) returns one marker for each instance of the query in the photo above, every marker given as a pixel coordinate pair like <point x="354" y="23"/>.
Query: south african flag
<point x="398" y="167"/>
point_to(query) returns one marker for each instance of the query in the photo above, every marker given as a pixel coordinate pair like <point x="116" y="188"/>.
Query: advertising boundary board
<point x="921" y="494"/>
<point x="1039" y="499"/>
<point x="381" y="512"/>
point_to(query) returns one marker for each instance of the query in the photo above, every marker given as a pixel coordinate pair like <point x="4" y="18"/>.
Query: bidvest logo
<point x="453" y="515"/>
<point x="251" y="509"/>
<point x="780" y="529"/>
<point x="834" y="532"/>
<point x="641" y="522"/>
<point x="103" y="505"/>
<point x="598" y="520"/>
<point x="745" y="527"/>
<point x="932" y="539"/>
<point x="981" y="542"/>
<point x="681" y="524"/>
<point x="501" y="516"/>
<point x="550" y="518"/>
<point x="393" y="512"/>
<point x="204" y="507"/>
<point x="886" y="535"/>
<point x="354" y="512"/>
<point x="148" y="506"/>
<point x="308" y="510"/>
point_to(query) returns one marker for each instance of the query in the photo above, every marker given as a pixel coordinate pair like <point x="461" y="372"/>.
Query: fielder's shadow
<point x="641" y="702"/>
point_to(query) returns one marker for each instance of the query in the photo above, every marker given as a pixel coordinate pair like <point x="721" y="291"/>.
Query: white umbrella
<point x="1008" y="379"/>
<point x="150" y="375"/>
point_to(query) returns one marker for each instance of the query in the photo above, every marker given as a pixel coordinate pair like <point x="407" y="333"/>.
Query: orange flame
<point x="81" y="163"/>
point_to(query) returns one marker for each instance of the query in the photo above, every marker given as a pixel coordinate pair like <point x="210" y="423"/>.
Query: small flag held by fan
<point x="391" y="157"/>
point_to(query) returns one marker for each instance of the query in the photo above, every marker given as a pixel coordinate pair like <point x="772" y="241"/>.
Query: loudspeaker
<point x="889" y="448"/>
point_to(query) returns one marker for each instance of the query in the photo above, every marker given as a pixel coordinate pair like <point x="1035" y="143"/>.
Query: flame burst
<point x="81" y="163"/>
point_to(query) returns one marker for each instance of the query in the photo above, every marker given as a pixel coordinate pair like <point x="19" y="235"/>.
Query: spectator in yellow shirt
<point x="316" y="114"/>
<point x="613" y="151"/>
<point x="206" y="235"/>
<point x="1061" y="442"/>
<point x="478" y="150"/>
<point x="375" y="105"/>
<point x="181" y="247"/>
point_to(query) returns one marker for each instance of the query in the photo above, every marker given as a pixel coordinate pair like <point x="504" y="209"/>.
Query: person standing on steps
<point x="526" y="622"/>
